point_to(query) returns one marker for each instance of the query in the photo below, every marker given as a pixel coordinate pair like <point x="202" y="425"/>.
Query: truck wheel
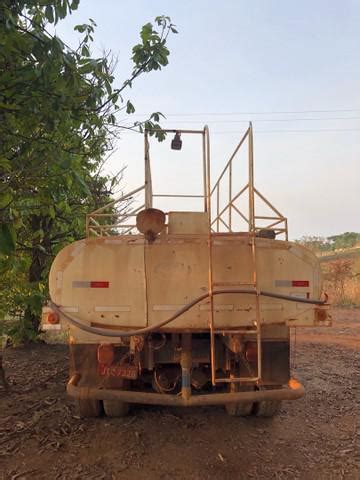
<point x="242" y="409"/>
<point x="239" y="409"/>
<point x="87" y="408"/>
<point x="267" y="408"/>
<point x="115" y="408"/>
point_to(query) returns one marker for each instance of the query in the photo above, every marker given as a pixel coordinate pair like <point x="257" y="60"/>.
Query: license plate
<point x="123" y="371"/>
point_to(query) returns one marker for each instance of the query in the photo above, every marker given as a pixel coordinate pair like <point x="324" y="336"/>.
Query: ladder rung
<point x="257" y="331"/>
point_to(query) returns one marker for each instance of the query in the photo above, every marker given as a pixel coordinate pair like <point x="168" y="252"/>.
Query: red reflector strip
<point x="99" y="284"/>
<point x="300" y="283"/>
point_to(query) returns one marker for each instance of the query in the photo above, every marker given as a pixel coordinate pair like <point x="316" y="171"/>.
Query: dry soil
<point x="316" y="437"/>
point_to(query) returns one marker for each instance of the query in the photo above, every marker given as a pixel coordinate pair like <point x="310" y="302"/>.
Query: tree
<point x="344" y="240"/>
<point x="316" y="244"/>
<point x="58" y="120"/>
<point x="339" y="271"/>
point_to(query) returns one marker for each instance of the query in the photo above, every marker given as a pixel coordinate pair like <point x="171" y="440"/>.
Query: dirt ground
<point x="316" y="437"/>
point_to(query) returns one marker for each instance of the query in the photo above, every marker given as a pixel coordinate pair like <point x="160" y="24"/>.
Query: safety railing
<point x="117" y="217"/>
<point x="224" y="217"/>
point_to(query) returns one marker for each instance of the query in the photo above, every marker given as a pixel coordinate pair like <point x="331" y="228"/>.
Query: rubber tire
<point x="87" y="408"/>
<point x="115" y="408"/>
<point x="239" y="409"/>
<point x="267" y="408"/>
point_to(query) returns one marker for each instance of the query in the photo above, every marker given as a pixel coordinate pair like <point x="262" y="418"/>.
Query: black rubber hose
<point x="178" y="313"/>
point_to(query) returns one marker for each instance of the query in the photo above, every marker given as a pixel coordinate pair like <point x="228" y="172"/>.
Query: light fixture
<point x="176" y="142"/>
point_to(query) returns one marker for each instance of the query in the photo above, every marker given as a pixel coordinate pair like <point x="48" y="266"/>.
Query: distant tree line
<point x="330" y="244"/>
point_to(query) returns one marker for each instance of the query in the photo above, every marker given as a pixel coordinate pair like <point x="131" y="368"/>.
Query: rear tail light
<point x="52" y="318"/>
<point x="251" y="352"/>
<point x="105" y="354"/>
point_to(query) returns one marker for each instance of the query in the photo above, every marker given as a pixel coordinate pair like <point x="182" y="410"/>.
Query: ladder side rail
<point x="252" y="232"/>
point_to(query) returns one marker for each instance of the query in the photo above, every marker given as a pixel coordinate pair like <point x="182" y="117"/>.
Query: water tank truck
<point x="185" y="308"/>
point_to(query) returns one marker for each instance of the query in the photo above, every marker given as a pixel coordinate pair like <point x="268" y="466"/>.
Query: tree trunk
<point x="38" y="263"/>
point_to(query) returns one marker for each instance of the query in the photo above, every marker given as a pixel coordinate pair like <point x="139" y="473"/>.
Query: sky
<point x="292" y="68"/>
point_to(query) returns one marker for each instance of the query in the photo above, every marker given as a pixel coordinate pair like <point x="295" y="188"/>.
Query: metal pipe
<point x="178" y="313"/>
<point x="251" y="182"/>
<point x="210" y="272"/>
<point x="293" y="391"/>
<point x="172" y="130"/>
<point x="122" y="198"/>
<point x="231" y="159"/>
<point x="186" y="364"/>
<point x="177" y="195"/>
<point x="148" y="184"/>
<point x="204" y="168"/>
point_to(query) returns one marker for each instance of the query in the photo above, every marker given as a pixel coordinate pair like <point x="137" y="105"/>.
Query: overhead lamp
<point x="176" y="142"/>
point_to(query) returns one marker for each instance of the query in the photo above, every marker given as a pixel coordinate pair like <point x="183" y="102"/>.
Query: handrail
<point x="227" y="217"/>
<point x="224" y="216"/>
<point x="231" y="159"/>
<point x="92" y="219"/>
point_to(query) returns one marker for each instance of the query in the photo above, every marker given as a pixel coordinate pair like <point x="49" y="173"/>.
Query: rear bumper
<point x="293" y="391"/>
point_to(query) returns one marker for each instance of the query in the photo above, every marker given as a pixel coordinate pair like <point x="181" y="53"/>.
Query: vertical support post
<point x="217" y="206"/>
<point x="230" y="194"/>
<point x="186" y="364"/>
<point x="204" y="170"/>
<point x="251" y="182"/>
<point x="253" y="249"/>
<point x="210" y="245"/>
<point x="257" y="307"/>
<point x="148" y="183"/>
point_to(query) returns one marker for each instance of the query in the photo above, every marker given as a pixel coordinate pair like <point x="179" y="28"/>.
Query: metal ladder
<point x="253" y="331"/>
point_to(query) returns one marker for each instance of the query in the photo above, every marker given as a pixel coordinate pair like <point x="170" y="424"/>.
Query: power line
<point x="293" y="131"/>
<point x="229" y="132"/>
<point x="273" y="112"/>
<point x="274" y="120"/>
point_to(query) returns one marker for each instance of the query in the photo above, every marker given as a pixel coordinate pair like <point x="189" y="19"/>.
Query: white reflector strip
<point x="49" y="326"/>
<point x="217" y="308"/>
<point x="81" y="284"/>
<point x="167" y="308"/>
<point x="119" y="308"/>
<point x="283" y="283"/>
<point x="90" y="284"/>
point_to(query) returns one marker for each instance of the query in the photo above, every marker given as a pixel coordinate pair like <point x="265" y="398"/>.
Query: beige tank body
<point x="125" y="282"/>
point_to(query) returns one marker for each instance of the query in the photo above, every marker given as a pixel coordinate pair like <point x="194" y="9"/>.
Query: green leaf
<point x="5" y="164"/>
<point x="5" y="199"/>
<point x="7" y="239"/>
<point x="146" y="31"/>
<point x="49" y="13"/>
<point x="80" y="28"/>
<point x="82" y="184"/>
<point x="85" y="51"/>
<point x="7" y="106"/>
<point x="51" y="211"/>
<point x="130" y="107"/>
<point x="18" y="223"/>
<point x="74" y="4"/>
